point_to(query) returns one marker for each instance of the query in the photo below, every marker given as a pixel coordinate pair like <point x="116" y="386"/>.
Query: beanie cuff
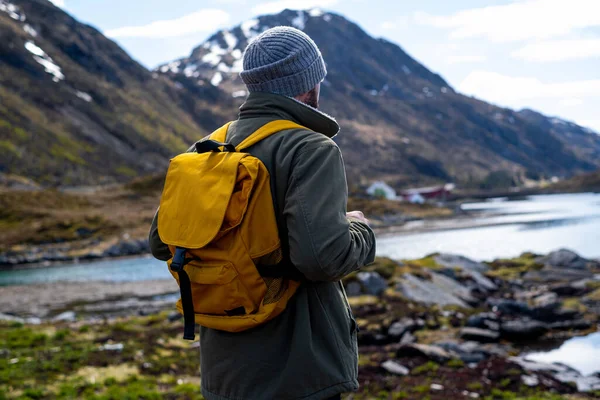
<point x="291" y="85"/>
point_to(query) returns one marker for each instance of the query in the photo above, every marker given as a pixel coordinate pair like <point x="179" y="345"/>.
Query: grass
<point x="375" y="208"/>
<point x="510" y="269"/>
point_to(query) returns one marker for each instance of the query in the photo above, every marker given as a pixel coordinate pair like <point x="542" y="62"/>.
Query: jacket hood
<point x="261" y="105"/>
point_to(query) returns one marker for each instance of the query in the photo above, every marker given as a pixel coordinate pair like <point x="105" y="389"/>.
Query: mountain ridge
<point x="77" y="110"/>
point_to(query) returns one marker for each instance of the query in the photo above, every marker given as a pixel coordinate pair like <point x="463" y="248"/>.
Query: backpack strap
<point x="220" y="134"/>
<point x="267" y="130"/>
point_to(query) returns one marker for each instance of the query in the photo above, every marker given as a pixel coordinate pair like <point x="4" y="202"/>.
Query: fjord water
<point x="539" y="224"/>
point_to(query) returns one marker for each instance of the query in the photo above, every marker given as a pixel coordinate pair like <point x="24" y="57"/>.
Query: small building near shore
<point x="382" y="190"/>
<point x="438" y="193"/>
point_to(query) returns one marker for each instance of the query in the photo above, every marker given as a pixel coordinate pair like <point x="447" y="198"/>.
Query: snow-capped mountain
<point x="401" y="121"/>
<point x="76" y="109"/>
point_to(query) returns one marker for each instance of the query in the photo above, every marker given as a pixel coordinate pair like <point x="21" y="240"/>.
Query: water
<point x="581" y="353"/>
<point x="122" y="270"/>
<point x="539" y="224"/>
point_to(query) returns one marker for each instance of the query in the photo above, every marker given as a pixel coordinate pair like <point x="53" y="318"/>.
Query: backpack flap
<point x="195" y="203"/>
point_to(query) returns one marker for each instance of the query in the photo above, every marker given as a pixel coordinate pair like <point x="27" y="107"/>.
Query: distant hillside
<point x="75" y="109"/>
<point x="589" y="182"/>
<point x="402" y="122"/>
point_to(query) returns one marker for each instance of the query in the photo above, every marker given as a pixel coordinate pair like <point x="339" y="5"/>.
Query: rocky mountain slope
<point x="402" y="122"/>
<point x="75" y="109"/>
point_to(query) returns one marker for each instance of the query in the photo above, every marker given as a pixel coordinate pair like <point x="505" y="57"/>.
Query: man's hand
<point x="358" y="215"/>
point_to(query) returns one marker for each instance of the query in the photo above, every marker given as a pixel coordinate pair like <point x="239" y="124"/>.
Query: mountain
<point x="401" y="122"/>
<point x="75" y="109"/>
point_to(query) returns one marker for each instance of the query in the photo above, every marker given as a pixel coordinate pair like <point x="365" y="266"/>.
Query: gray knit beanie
<point x="283" y="60"/>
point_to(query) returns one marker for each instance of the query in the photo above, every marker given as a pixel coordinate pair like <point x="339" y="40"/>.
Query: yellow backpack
<point x="217" y="217"/>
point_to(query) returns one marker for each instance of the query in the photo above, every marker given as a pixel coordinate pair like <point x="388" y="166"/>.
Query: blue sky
<point x="540" y="54"/>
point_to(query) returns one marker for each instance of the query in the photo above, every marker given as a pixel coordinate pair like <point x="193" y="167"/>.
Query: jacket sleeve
<point x="157" y="247"/>
<point x="324" y="244"/>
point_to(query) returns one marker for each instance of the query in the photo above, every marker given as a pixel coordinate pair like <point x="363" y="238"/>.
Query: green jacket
<point x="310" y="350"/>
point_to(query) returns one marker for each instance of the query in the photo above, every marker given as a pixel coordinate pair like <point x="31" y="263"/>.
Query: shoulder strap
<point x="267" y="130"/>
<point x="220" y="134"/>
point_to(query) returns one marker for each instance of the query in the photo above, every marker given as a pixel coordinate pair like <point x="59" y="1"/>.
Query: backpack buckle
<point x="178" y="259"/>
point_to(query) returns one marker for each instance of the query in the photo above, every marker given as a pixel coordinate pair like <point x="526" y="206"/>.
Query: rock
<point x="530" y="380"/>
<point x="399" y="328"/>
<point x="567" y="259"/>
<point x="408" y="338"/>
<point x="353" y="289"/>
<point x="440" y="290"/>
<point x="576" y="288"/>
<point x="552" y="316"/>
<point x="366" y="338"/>
<point x="436" y="387"/>
<point x="434" y="353"/>
<point x="509" y="307"/>
<point x="394" y="368"/>
<point x="479" y="335"/>
<point x="522" y="329"/>
<point x="578" y="324"/>
<point x="67" y="316"/>
<point x="550" y="275"/>
<point x="468" y="352"/>
<point x="174" y="316"/>
<point x="372" y="283"/>
<point x="456" y="261"/>
<point x="484" y="321"/>
<point x="548" y="299"/>
<point x="112" y="347"/>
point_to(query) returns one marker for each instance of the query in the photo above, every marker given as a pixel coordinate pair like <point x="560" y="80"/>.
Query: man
<point x="310" y="350"/>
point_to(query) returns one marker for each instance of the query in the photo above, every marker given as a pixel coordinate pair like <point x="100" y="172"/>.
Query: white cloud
<point x="274" y="7"/>
<point x="205" y="20"/>
<point x="571" y="102"/>
<point x="464" y="59"/>
<point x="509" y="90"/>
<point x="594" y="124"/>
<point x="58" y="3"/>
<point x="518" y="20"/>
<point x="398" y="23"/>
<point x="559" y="50"/>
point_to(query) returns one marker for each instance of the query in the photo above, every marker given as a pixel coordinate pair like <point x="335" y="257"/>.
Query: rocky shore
<point x="441" y="327"/>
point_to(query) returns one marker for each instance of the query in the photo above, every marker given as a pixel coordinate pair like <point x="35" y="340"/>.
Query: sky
<point x="539" y="54"/>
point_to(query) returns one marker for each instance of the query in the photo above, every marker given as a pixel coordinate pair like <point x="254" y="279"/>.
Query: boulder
<point x="485" y="320"/>
<point x="578" y="324"/>
<point x="468" y="352"/>
<point x="434" y="353"/>
<point x="479" y="335"/>
<point x="353" y="289"/>
<point x="567" y="259"/>
<point x="509" y="307"/>
<point x="394" y="368"/>
<point x="67" y="316"/>
<point x="545" y="300"/>
<point x="456" y="261"/>
<point x="523" y="329"/>
<point x="372" y="283"/>
<point x="399" y="328"/>
<point x="440" y="290"/>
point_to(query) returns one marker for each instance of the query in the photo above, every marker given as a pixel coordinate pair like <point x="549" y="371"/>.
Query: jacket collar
<point x="269" y="105"/>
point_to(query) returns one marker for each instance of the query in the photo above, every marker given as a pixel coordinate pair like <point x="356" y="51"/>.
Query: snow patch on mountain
<point x="84" y="96"/>
<point x="171" y="67"/>
<point x="299" y="21"/>
<point x="13" y="11"/>
<point x="45" y="60"/>
<point x="250" y="28"/>
<point x="29" y="30"/>
<point x="216" y="79"/>
<point x="230" y="39"/>
<point x="315" y="12"/>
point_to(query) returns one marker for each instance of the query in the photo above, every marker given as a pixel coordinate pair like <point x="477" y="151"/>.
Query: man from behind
<point x="310" y="350"/>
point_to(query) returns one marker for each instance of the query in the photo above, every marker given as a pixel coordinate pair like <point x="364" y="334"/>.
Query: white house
<point x="382" y="189"/>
